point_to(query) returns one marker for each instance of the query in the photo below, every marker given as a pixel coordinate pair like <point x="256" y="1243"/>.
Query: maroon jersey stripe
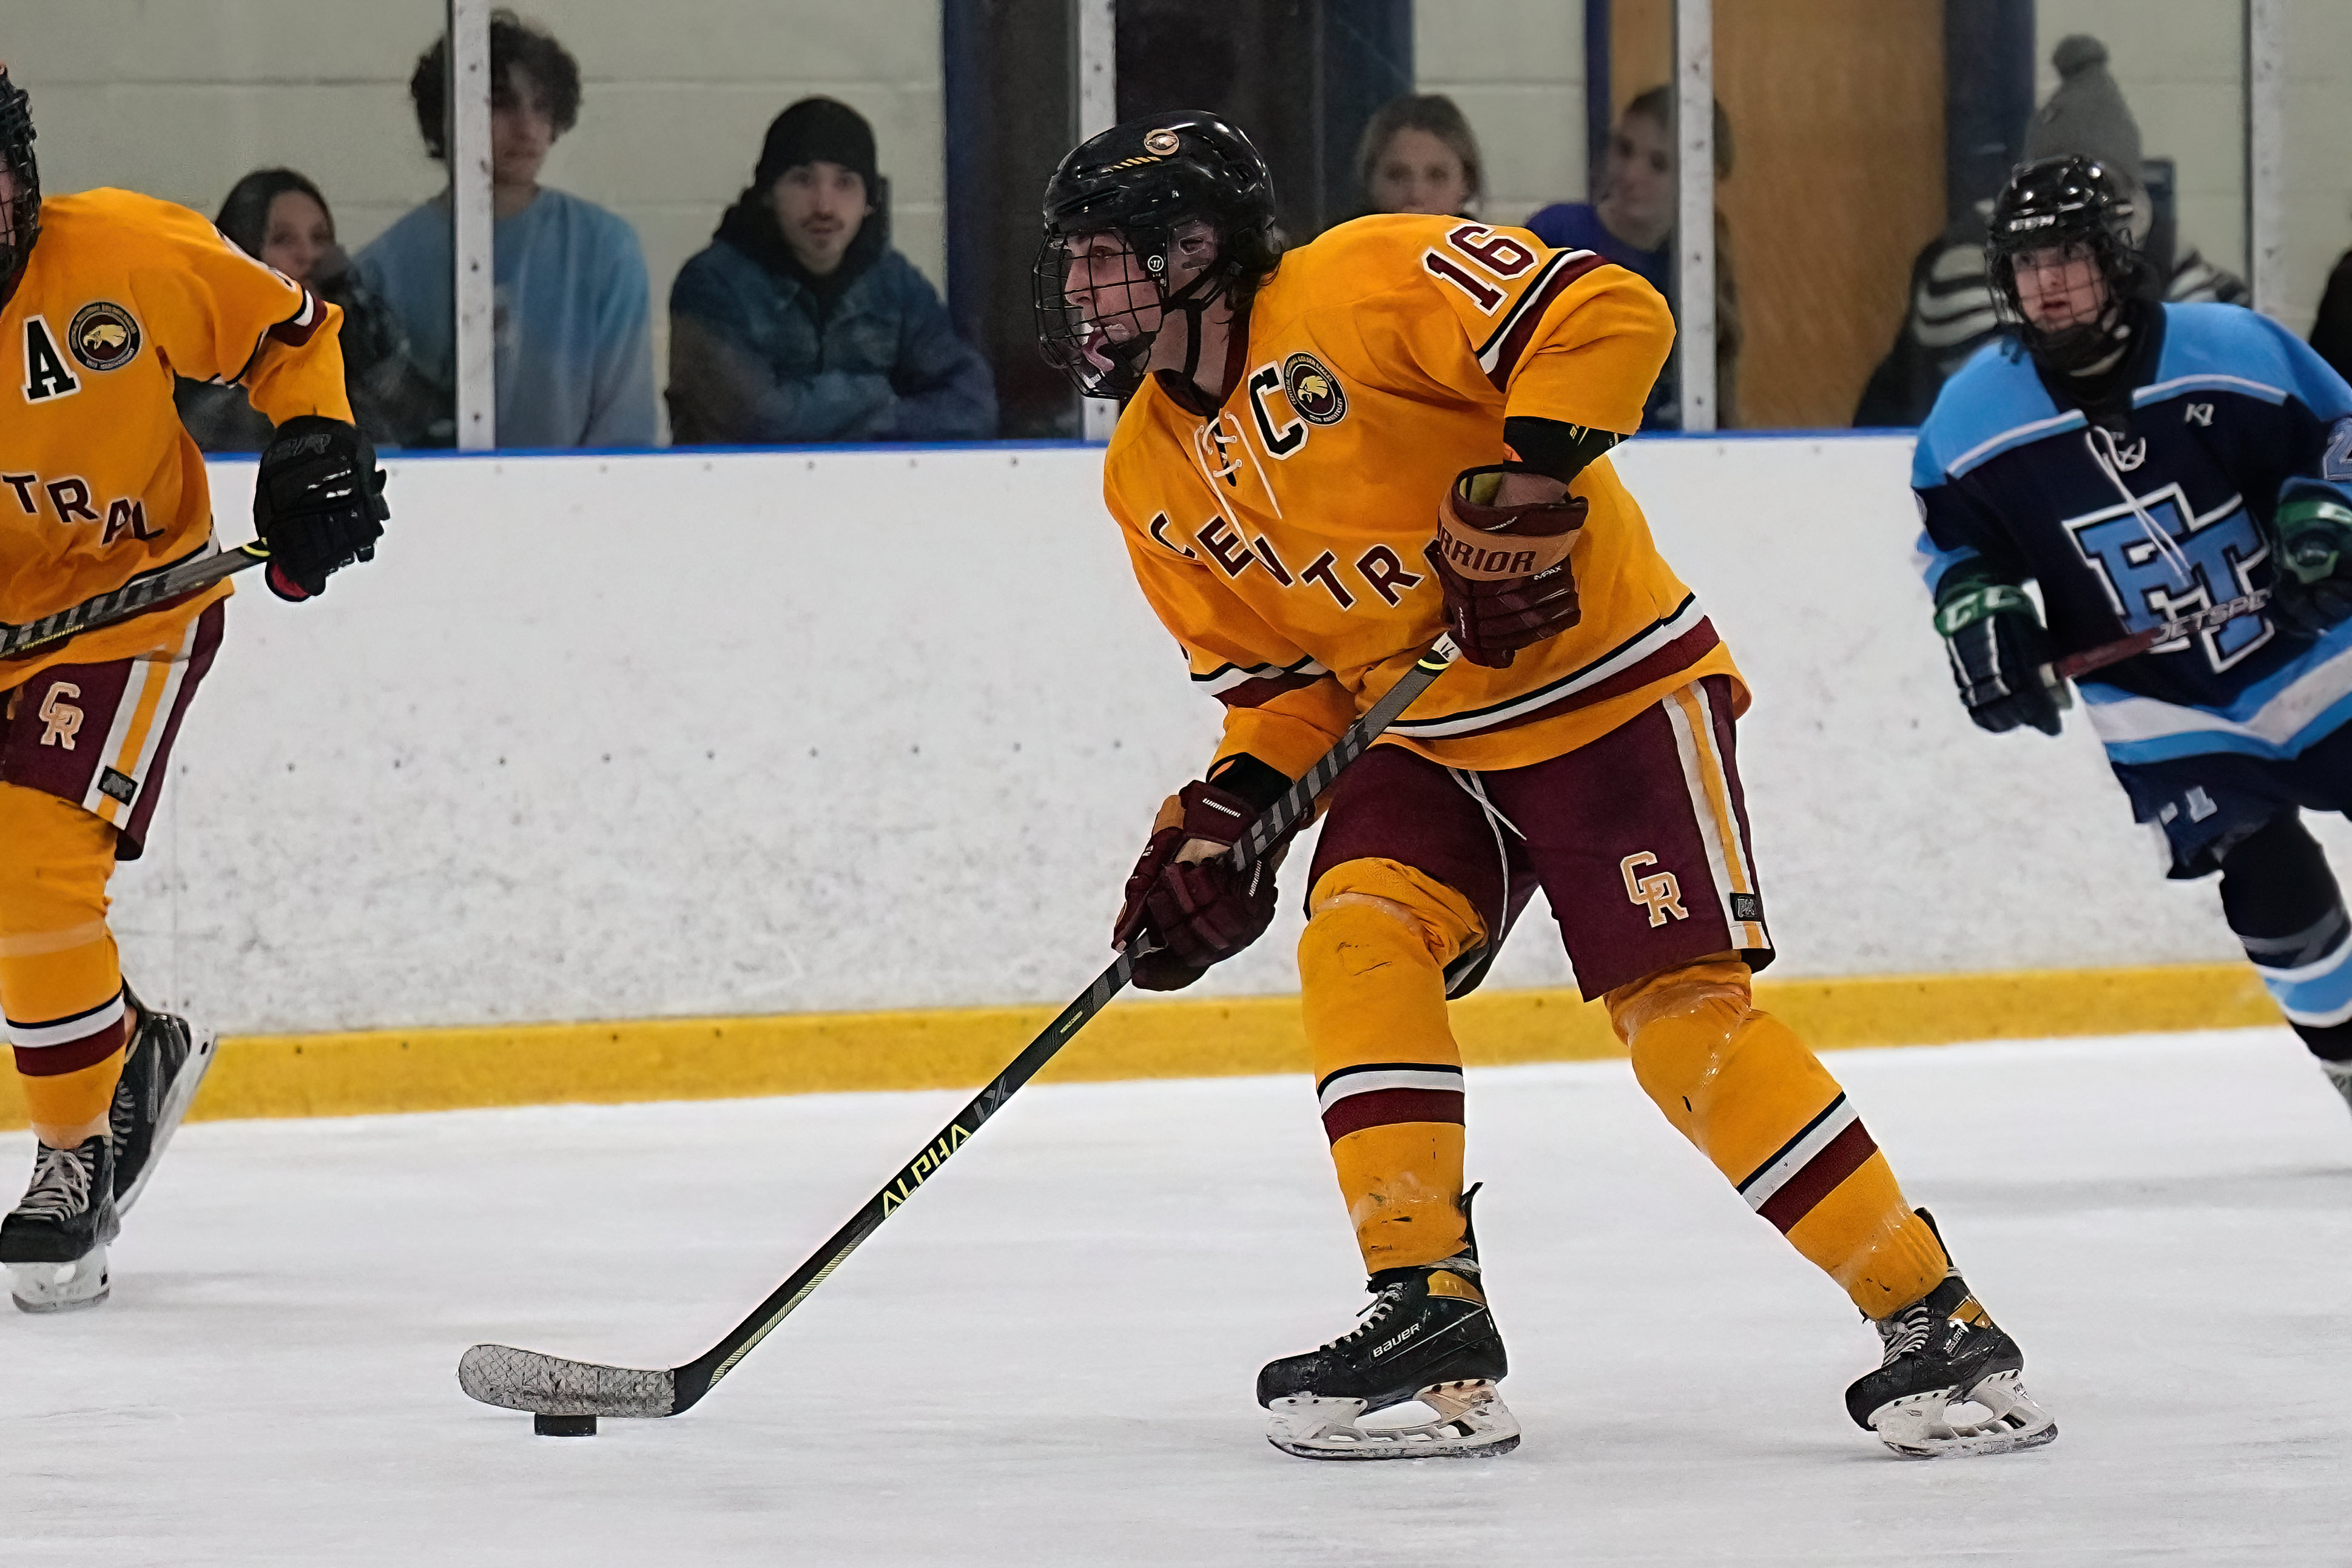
<point x="1265" y="689"/>
<point x="1839" y="1159"/>
<point x="1681" y="654"/>
<point x="303" y="325"/>
<point x="1530" y="316"/>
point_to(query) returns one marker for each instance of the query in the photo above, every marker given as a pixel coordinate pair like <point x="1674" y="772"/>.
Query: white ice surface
<point x="1048" y="1358"/>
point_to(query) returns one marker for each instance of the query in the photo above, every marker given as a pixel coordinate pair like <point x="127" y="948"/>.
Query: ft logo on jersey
<point x="2201" y="561"/>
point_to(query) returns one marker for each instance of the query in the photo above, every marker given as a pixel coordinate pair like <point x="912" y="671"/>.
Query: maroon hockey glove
<point x="1503" y="569"/>
<point x="1199" y="912"/>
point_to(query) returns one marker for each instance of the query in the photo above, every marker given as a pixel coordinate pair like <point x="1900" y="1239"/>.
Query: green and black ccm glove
<point x="2314" y="589"/>
<point x="1994" y="638"/>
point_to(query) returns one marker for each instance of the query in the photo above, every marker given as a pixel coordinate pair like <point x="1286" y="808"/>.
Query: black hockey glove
<point x="2314" y="590"/>
<point x="318" y="502"/>
<point x="1998" y="648"/>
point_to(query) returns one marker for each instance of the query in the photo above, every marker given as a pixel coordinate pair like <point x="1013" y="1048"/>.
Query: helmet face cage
<point x="2068" y="204"/>
<point x="1102" y="346"/>
<point x="22" y="216"/>
<point x="1154" y="185"/>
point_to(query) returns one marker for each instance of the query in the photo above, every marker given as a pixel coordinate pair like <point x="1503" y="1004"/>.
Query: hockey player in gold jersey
<point x="1328" y="457"/>
<point x="104" y="298"/>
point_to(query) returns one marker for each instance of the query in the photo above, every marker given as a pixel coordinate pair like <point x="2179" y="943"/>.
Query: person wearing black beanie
<point x="798" y="323"/>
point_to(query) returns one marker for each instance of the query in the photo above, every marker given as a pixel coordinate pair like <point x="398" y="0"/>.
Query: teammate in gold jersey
<point x="1328" y="457"/>
<point x="104" y="298"/>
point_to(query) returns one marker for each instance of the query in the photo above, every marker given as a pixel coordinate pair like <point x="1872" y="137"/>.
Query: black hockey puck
<point x="564" y="1425"/>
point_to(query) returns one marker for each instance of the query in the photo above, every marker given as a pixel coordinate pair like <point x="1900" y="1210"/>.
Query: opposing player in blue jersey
<point x="2143" y="462"/>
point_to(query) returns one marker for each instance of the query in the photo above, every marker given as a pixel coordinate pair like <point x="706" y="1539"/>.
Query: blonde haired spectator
<point x="1418" y="155"/>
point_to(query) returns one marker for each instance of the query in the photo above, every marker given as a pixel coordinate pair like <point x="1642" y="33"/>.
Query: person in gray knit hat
<point x="1951" y="317"/>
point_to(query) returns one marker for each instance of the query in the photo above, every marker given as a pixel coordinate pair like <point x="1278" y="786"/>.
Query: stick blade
<point x="550" y="1385"/>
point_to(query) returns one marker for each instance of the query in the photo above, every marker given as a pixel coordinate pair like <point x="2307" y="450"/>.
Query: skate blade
<point x="1469" y="1421"/>
<point x="1922" y="1427"/>
<point x="60" y="1287"/>
<point x="203" y="1045"/>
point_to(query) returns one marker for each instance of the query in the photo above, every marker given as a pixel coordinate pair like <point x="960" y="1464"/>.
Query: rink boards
<point x="702" y="760"/>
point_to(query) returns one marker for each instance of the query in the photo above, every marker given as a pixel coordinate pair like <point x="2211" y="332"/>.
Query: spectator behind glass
<point x="2331" y="330"/>
<point x="574" y="340"/>
<point x="1418" y="155"/>
<point x="798" y="323"/>
<point x="1951" y="314"/>
<point x="1632" y="223"/>
<point x="280" y="218"/>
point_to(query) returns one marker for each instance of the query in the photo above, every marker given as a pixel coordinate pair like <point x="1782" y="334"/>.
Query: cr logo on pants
<point x="1659" y="892"/>
<point x="63" y="719"/>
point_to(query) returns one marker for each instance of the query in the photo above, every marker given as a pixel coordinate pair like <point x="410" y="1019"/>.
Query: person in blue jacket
<point x="2143" y="462"/>
<point x="798" y="323"/>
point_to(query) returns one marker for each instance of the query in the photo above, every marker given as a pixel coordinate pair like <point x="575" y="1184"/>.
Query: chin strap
<point x="1210" y="286"/>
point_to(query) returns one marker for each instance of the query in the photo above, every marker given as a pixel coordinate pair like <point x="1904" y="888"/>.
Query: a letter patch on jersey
<point x="103" y="335"/>
<point x="46" y="375"/>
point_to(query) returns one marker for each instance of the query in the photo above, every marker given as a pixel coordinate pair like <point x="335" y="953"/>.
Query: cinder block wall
<point x="1516" y="70"/>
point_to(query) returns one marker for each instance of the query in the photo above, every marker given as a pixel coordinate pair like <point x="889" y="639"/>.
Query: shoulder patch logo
<point x="103" y="335"/>
<point x="1315" y="393"/>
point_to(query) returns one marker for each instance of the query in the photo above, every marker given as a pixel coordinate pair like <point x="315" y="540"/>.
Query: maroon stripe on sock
<point x="1383" y="1107"/>
<point x="1839" y="1159"/>
<point x="56" y="1060"/>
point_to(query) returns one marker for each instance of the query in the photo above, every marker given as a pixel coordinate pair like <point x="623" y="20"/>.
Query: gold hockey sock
<point x="1750" y="1096"/>
<point x="1371" y="967"/>
<point x="72" y="1099"/>
<point x="60" y="980"/>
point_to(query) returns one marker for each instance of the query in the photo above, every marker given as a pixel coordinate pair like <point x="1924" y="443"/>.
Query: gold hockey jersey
<point x="99" y="482"/>
<point x="1279" y="537"/>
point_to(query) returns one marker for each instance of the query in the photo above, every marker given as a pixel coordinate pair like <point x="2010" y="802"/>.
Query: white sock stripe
<point x="1367" y="1081"/>
<point x="66" y="1030"/>
<point x="1757" y="1189"/>
<point x="2314" y="970"/>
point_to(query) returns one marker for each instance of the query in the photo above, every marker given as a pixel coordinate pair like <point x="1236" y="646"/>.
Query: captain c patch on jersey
<point x="103" y="337"/>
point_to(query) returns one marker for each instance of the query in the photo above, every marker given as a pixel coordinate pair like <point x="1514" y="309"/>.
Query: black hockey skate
<point x="161" y="1073"/>
<point x="1427" y="1337"/>
<point x="54" y="1244"/>
<point x="1940" y="1352"/>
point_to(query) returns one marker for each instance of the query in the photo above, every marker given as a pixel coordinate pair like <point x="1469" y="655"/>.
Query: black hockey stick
<point x="136" y="597"/>
<point x="551" y="1387"/>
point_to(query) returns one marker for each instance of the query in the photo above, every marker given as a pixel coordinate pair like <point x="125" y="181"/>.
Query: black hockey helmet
<point x="1148" y="182"/>
<point x="2064" y="203"/>
<point x="22" y="215"/>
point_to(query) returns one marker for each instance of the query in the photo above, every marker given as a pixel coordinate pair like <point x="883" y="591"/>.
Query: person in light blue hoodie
<point x="798" y="323"/>
<point x="574" y="340"/>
